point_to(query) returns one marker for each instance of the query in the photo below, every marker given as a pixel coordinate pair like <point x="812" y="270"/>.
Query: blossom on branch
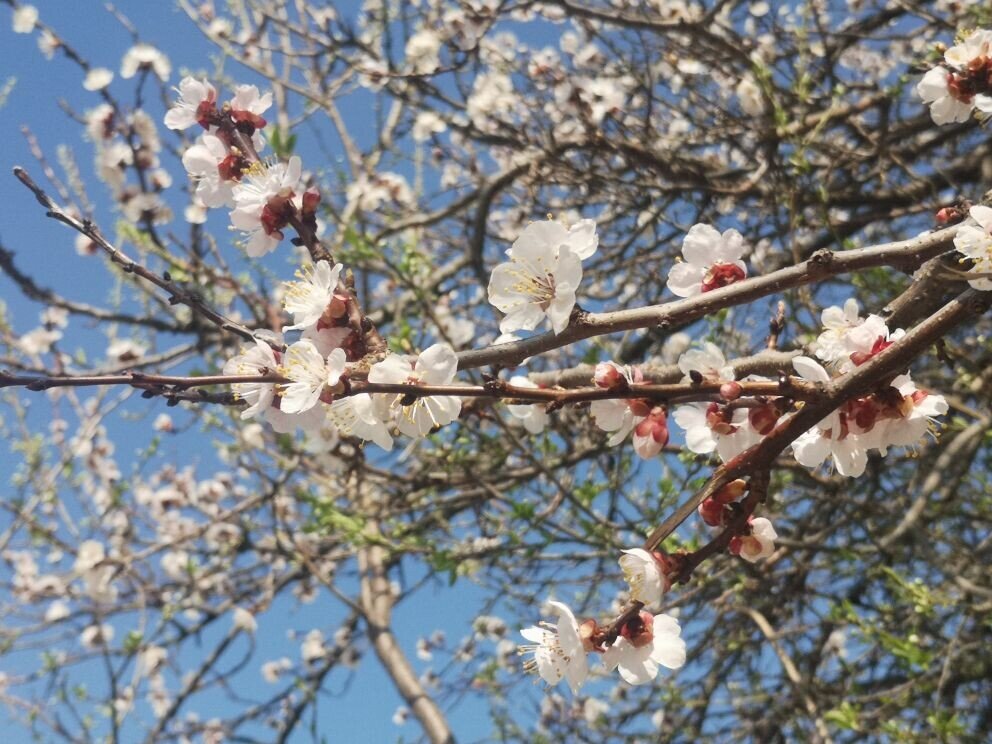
<point x="648" y="421"/>
<point x="707" y="363"/>
<point x="974" y="241"/>
<point x="646" y="574"/>
<point x="533" y="416"/>
<point x="363" y="417"/>
<point x="759" y="544"/>
<point x="215" y="169"/>
<point x="257" y="360"/>
<point x="197" y="104"/>
<point x="313" y="296"/>
<point x="559" y="650"/>
<point x="543" y="273"/>
<point x="248" y="105"/>
<point x="436" y="365"/>
<point x="264" y="204"/>
<point x="145" y="57"/>
<point x="645" y="643"/>
<point x="712" y="426"/>
<point x="963" y="83"/>
<point x="310" y="376"/>
<point x="712" y="260"/>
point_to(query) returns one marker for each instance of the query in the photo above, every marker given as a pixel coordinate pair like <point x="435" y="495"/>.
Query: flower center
<point x="722" y="275"/>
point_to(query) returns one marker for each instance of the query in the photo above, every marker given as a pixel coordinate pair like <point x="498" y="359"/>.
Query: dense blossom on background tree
<point x="623" y="319"/>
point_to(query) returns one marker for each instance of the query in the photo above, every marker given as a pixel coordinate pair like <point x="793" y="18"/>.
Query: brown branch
<point x="905" y="254"/>
<point x="872" y="373"/>
<point x="178" y="295"/>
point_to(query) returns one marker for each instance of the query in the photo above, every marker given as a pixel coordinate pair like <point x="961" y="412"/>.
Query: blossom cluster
<point x="309" y="383"/>
<point x="962" y="84"/>
<point x="643" y="643"/>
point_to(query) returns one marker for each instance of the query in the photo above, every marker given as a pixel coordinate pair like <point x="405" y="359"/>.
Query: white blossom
<point x="974" y="241"/>
<point x="436" y="365"/>
<point x="658" y="644"/>
<point x="533" y="416"/>
<point x="749" y="96"/>
<point x="712" y="260"/>
<point x="24" y="19"/>
<point x="309" y="373"/>
<point x="307" y="299"/>
<point x="257" y="360"/>
<point x="243" y="620"/>
<point x="313" y="647"/>
<point x="542" y="275"/>
<point x="143" y="55"/>
<point x="98" y="78"/>
<point x="193" y="96"/>
<point x="558" y="650"/>
<point x="204" y="162"/>
<point x="262" y="200"/>
<point x="361" y="416"/>
<point x="708" y="361"/>
<point x="426" y="124"/>
<point x="759" y="544"/>
<point x="422" y="50"/>
<point x="644" y="574"/>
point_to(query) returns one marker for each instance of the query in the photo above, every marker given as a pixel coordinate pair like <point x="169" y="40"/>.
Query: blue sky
<point x="359" y="708"/>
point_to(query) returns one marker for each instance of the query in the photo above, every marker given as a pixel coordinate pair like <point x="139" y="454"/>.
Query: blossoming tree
<point x="651" y="337"/>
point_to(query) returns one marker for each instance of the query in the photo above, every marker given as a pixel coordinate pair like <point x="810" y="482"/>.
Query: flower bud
<point x="608" y="375"/>
<point x="731" y="492"/>
<point x="949" y="215"/>
<point x="711" y="511"/>
<point x="730" y="390"/>
<point x="588" y="630"/>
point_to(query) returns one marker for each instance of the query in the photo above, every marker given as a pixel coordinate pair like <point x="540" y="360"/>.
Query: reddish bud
<point x="608" y="376"/>
<point x="337" y="307"/>
<point x="712" y="512"/>
<point x="730" y="492"/>
<point x="651" y="434"/>
<point x="949" y="215"/>
<point x="252" y="121"/>
<point x="731" y="390"/>
<point x="864" y="412"/>
<point x="206" y="113"/>
<point x="880" y="345"/>
<point x="232" y="167"/>
<point x="276" y="214"/>
<point x="716" y="419"/>
<point x="311" y="198"/>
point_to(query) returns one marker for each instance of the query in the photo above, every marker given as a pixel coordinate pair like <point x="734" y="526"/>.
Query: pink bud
<point x="608" y="375"/>
<point x="731" y="390"/>
<point x="311" y="198"/>
<point x="949" y="215"/>
<point x="711" y="511"/>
